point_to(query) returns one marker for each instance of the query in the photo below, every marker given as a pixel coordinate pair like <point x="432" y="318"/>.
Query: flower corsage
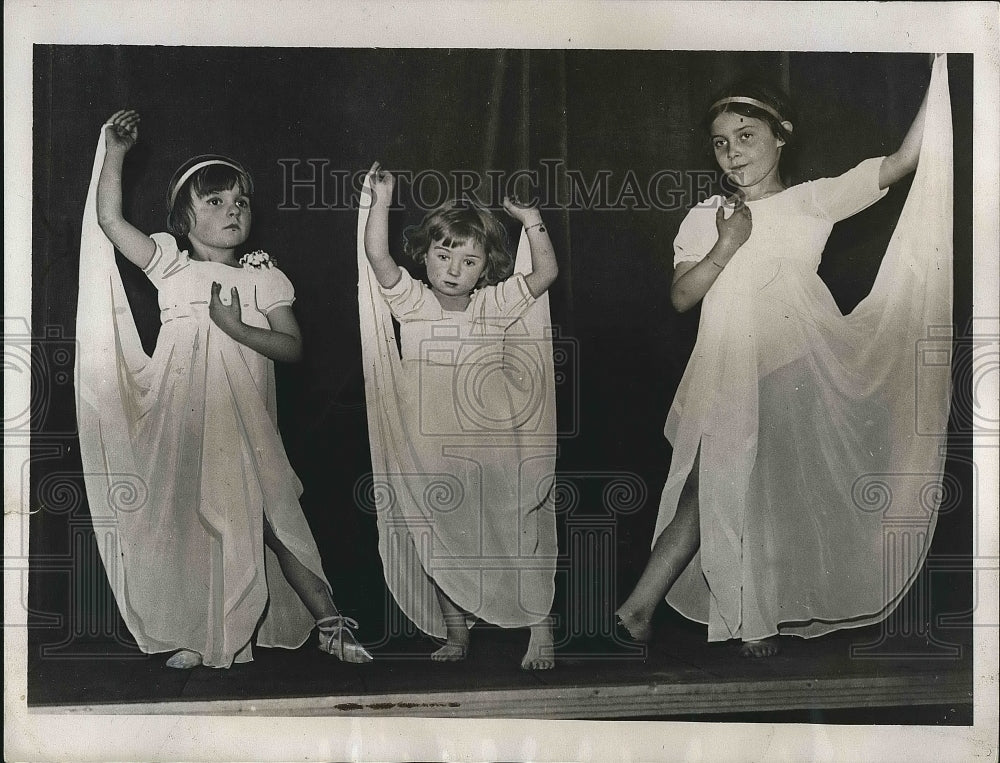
<point x="258" y="259"/>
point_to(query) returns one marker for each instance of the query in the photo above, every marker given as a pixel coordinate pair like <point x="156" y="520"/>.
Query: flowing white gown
<point x="182" y="456"/>
<point x="462" y="432"/>
<point x="821" y="436"/>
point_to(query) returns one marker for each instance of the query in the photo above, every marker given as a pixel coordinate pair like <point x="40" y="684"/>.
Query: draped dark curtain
<point x="595" y="128"/>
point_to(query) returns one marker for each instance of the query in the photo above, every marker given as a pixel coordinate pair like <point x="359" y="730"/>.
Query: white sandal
<point x="331" y="639"/>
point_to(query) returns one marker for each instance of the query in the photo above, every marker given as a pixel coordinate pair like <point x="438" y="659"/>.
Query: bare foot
<point x="541" y="653"/>
<point x="637" y="629"/>
<point x="451" y="653"/>
<point x="456" y="641"/>
<point x="765" y="647"/>
<point x="185" y="659"/>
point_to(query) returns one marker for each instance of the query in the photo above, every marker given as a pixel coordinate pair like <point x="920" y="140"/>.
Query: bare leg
<point x="310" y="588"/>
<point x="457" y="646"/>
<point x="335" y="636"/>
<point x="675" y="547"/>
<point x="541" y="653"/>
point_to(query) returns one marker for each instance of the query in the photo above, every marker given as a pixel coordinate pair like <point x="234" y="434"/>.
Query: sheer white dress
<point x="183" y="459"/>
<point x="821" y="436"/>
<point x="462" y="429"/>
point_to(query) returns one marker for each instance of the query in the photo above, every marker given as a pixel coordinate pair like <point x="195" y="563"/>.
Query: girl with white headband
<point x="195" y="504"/>
<point x="807" y="445"/>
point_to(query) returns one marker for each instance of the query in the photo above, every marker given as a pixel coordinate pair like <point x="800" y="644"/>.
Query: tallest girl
<point x="808" y="445"/>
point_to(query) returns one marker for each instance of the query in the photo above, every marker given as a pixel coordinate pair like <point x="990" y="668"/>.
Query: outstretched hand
<point x="123" y="131"/>
<point x="523" y="213"/>
<point x="227" y="317"/>
<point x="382" y="183"/>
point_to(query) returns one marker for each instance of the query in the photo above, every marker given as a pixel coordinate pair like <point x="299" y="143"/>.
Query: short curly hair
<point x="455" y="223"/>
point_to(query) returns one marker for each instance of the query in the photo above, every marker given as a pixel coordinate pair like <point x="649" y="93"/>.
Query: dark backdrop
<point x="622" y="348"/>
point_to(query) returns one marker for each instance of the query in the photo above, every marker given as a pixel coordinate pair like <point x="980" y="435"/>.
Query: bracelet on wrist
<point x="540" y="225"/>
<point x="720" y="267"/>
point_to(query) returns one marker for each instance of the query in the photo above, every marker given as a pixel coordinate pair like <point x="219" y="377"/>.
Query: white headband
<point x="749" y="102"/>
<point x="193" y="169"/>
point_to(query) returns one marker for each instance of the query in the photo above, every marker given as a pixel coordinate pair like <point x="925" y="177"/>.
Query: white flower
<point x="257" y="259"/>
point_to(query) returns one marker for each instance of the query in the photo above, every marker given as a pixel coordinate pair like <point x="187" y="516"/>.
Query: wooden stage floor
<point x="855" y="676"/>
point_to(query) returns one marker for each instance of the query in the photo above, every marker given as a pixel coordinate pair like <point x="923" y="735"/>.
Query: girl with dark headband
<point x="792" y="417"/>
<point x="214" y="551"/>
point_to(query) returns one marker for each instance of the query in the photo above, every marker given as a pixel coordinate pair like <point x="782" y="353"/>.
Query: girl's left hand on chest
<point x="226" y="317"/>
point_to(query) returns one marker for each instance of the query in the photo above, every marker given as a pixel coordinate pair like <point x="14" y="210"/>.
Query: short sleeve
<point x="840" y="197"/>
<point x="410" y="300"/>
<point x="274" y="290"/>
<point x="167" y="259"/>
<point x="698" y="232"/>
<point x="507" y="299"/>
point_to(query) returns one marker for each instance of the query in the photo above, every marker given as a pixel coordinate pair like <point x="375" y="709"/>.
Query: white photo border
<point x="961" y="27"/>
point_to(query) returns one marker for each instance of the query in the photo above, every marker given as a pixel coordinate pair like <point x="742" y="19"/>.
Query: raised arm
<point x="692" y="280"/>
<point x="387" y="272"/>
<point x="904" y="161"/>
<point x="544" y="267"/>
<point x="119" y="137"/>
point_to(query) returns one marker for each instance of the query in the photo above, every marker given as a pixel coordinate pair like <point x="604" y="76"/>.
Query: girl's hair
<point x="217" y="174"/>
<point x="774" y="100"/>
<point x="455" y="223"/>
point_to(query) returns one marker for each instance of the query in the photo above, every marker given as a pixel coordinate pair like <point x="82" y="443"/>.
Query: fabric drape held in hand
<point x="820" y="437"/>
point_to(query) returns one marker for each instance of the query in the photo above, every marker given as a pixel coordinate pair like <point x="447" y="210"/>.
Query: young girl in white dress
<point x="462" y="422"/>
<point x="195" y="504"/>
<point x="792" y="417"/>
